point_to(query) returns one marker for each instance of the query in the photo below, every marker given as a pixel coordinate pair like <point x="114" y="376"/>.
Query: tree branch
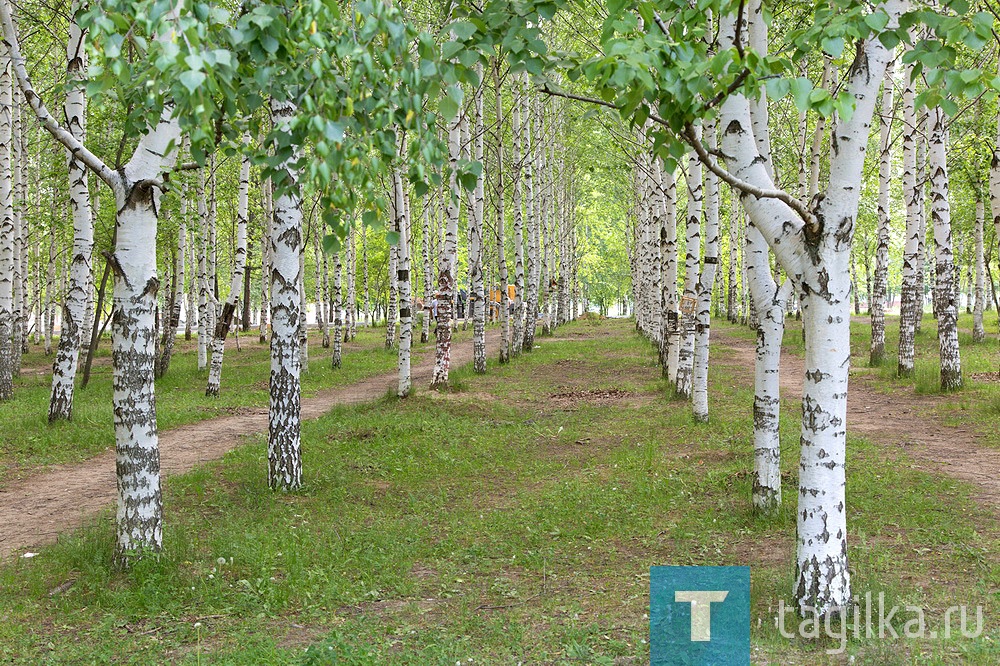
<point x="63" y="136"/>
<point x="699" y="148"/>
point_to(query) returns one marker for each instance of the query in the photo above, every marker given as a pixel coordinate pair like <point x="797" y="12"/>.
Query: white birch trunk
<point x="685" y="363"/>
<point x="877" y="295"/>
<point x="338" y="319"/>
<point x="321" y="290"/>
<point x="265" y="259"/>
<point x="477" y="296"/>
<point x="204" y="302"/>
<point x="518" y="120"/>
<point x="703" y="290"/>
<point x="303" y="324"/>
<point x="239" y="266"/>
<point x="978" y="331"/>
<point x="910" y="299"/>
<point x="6" y="231"/>
<point x="817" y="255"/>
<point x="17" y="156"/>
<point x="284" y="451"/>
<point x="350" y="310"/>
<point x="502" y="309"/>
<point x="392" y="304"/>
<point x="403" y="278"/>
<point x="944" y="286"/>
<point x="448" y="266"/>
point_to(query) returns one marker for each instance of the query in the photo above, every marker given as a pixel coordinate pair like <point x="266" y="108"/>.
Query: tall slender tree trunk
<point x="501" y="305"/>
<point x="284" y="450"/>
<point x="670" y="335"/>
<point x="303" y="310"/>
<point x="518" y="120"/>
<point x="17" y="159"/>
<point x="350" y="308"/>
<point x="338" y="317"/>
<point x="265" y="258"/>
<point x="364" y="267"/>
<point x="877" y="294"/>
<point x="703" y="290"/>
<point x="393" y="296"/>
<point x="169" y="336"/>
<point x="225" y="321"/>
<point x="477" y="297"/>
<point x="448" y="266"/>
<point x="6" y="231"/>
<point x="978" y="331"/>
<point x="945" y="295"/>
<point x="532" y="139"/>
<point x="321" y="291"/>
<point x="403" y="278"/>
<point x="50" y="291"/>
<point x="685" y="364"/>
<point x="204" y="301"/>
<point x="815" y="250"/>
<point x="911" y="298"/>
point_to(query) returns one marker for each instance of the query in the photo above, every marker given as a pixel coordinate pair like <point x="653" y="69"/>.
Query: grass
<point x="511" y="519"/>
<point x="28" y="443"/>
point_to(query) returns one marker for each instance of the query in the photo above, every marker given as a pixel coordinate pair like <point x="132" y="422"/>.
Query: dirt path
<point x="34" y="511"/>
<point x="897" y="419"/>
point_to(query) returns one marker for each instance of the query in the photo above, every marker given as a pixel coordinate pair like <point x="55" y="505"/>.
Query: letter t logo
<point x="701" y="611"/>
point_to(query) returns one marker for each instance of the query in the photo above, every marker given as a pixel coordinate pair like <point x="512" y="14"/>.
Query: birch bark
<point x="944" y="286"/>
<point x="978" y="331"/>
<point x="877" y="295"/>
<point x="225" y="321"/>
<point x="284" y="452"/>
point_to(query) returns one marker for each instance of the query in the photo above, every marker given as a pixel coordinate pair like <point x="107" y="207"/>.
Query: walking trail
<point x="36" y="510"/>
<point x="897" y="419"/>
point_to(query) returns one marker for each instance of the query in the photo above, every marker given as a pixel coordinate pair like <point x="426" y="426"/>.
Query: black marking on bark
<point x="151" y="288"/>
<point x="734" y="127"/>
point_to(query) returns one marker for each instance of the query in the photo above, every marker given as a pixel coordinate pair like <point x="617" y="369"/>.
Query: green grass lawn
<point x="511" y="519"/>
<point x="28" y="443"/>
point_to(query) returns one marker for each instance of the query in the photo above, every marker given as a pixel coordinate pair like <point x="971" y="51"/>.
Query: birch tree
<point x="400" y="226"/>
<point x="225" y="321"/>
<point x="447" y="264"/>
<point x="877" y="296"/>
<point x="911" y="296"/>
<point x="505" y="331"/>
<point x="944" y="286"/>
<point x="477" y="296"/>
<point x="6" y="231"/>
<point x="978" y="331"/>
<point x="137" y="189"/>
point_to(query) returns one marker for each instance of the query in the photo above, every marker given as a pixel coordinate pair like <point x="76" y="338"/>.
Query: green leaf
<point x="392" y="237"/>
<point x="801" y="87"/>
<point x="448" y="108"/>
<point x="834" y="46"/>
<point x="777" y="88"/>
<point x="877" y="20"/>
<point x="462" y="29"/>
<point x="331" y="242"/>
<point x="192" y="80"/>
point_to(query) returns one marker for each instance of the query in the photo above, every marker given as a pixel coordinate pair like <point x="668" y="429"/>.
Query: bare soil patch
<point x="897" y="419"/>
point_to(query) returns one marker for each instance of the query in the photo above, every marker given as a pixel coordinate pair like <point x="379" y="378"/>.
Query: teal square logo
<point x="699" y="616"/>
